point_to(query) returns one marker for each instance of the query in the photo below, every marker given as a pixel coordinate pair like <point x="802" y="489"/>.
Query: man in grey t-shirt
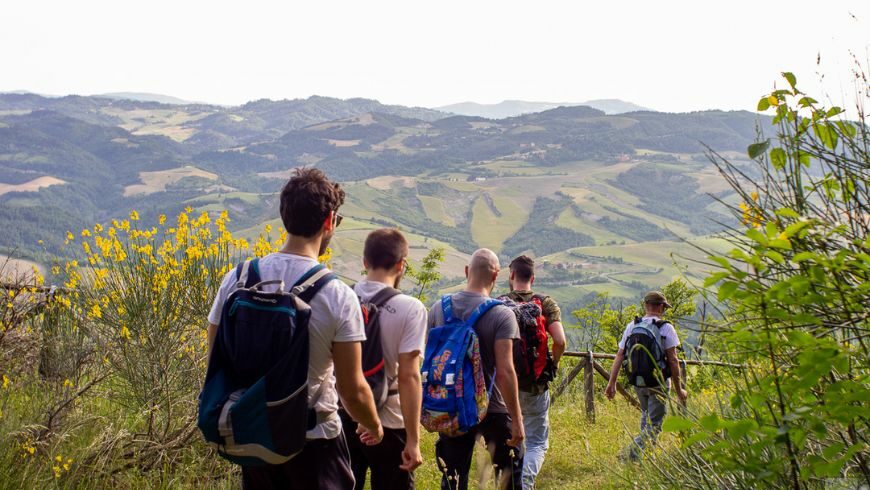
<point x="502" y="428"/>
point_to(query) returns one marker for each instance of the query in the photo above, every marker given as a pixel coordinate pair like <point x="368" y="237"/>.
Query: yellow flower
<point x="86" y="233"/>
<point x="754" y="196"/>
<point x="95" y="312"/>
<point x="69" y="236"/>
<point x="6" y="382"/>
<point x="134" y="215"/>
<point x="67" y="384"/>
<point x="162" y="219"/>
<point x="98" y="228"/>
<point x="125" y="333"/>
<point x="268" y="228"/>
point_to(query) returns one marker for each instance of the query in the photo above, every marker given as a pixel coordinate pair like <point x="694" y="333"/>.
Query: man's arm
<point x="356" y="396"/>
<point x="212" y="333"/>
<point x="674" y="364"/>
<point x="410" y="399"/>
<point x="610" y="391"/>
<point x="506" y="380"/>
<point x="557" y="331"/>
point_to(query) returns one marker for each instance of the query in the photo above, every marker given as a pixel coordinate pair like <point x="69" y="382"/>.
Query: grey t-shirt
<point x="496" y="324"/>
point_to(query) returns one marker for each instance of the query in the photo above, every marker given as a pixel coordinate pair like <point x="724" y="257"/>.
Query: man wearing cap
<point x="652" y="399"/>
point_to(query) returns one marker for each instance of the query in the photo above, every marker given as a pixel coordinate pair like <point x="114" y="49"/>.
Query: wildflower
<point x="86" y="233"/>
<point x="268" y="228"/>
<point x="134" y="215"/>
<point x="67" y="384"/>
<point x="125" y="334"/>
<point x="95" y="311"/>
<point x="754" y="196"/>
<point x="161" y="219"/>
<point x="6" y="382"/>
<point x="98" y="228"/>
<point x="69" y="236"/>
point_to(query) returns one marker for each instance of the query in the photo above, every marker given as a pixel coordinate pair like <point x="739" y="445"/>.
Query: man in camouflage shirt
<point x="535" y="401"/>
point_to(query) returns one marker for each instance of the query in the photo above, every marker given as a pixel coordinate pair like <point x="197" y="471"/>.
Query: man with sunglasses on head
<point x="309" y="211"/>
<point x="401" y="323"/>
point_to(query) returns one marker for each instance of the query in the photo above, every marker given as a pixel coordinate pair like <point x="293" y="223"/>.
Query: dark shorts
<point x="383" y="459"/>
<point x="323" y="464"/>
<point x="454" y="454"/>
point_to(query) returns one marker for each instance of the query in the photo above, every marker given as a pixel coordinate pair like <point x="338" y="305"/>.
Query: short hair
<point x="523" y="268"/>
<point x="306" y="201"/>
<point x="482" y="264"/>
<point x="384" y="248"/>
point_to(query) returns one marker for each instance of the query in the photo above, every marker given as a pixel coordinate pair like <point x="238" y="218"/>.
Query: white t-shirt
<point x="403" y="330"/>
<point x="666" y="331"/>
<point x="335" y="317"/>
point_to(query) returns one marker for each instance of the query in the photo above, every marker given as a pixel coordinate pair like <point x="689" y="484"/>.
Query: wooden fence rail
<point x="589" y="366"/>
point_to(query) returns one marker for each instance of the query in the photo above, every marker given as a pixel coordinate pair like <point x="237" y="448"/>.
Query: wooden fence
<point x="589" y="366"/>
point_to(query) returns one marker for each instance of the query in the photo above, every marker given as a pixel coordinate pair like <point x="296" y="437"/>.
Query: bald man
<point x="502" y="428"/>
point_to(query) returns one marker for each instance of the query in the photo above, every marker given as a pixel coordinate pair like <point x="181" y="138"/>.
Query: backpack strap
<point x="447" y="308"/>
<point x="384" y="295"/>
<point x="248" y="273"/>
<point x="312" y="281"/>
<point x="481" y="310"/>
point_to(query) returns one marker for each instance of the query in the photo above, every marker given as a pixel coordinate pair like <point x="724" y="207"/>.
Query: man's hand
<point x="411" y="457"/>
<point x="610" y="391"/>
<point x="682" y="394"/>
<point x="518" y="433"/>
<point x="370" y="437"/>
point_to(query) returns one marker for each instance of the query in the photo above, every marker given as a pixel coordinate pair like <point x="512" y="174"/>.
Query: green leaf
<point x="756" y="149"/>
<point x="775" y="256"/>
<point x="803" y="256"/>
<point x="826" y="134"/>
<point x="789" y="76"/>
<point x="807" y="101"/>
<point x="757" y="236"/>
<point x="677" y="424"/>
<point x="787" y="213"/>
<point x="833" y="111"/>
<point x="714" y="278"/>
<point x="763" y="104"/>
<point x="711" y="422"/>
<point x="726" y="290"/>
<point x="696" y="438"/>
<point x="803" y="158"/>
<point x="777" y="158"/>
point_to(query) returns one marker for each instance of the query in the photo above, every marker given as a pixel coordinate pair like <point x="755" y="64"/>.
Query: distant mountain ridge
<point x="148" y="97"/>
<point x="513" y="108"/>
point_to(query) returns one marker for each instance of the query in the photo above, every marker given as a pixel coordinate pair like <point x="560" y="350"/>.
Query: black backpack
<point x="254" y="404"/>
<point x="372" y="350"/>
<point x="644" y="363"/>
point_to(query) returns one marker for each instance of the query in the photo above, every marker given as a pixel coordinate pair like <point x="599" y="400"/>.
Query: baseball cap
<point x="656" y="298"/>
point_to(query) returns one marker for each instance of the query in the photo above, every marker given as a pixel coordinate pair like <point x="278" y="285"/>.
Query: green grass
<point x="435" y="210"/>
<point x="489" y="230"/>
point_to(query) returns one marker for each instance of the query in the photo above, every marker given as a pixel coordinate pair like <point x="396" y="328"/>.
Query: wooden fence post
<point x="589" y="384"/>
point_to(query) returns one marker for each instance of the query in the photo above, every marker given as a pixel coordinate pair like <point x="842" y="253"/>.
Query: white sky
<point x="672" y="56"/>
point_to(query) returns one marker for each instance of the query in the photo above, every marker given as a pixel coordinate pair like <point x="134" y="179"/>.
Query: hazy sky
<point x="673" y="56"/>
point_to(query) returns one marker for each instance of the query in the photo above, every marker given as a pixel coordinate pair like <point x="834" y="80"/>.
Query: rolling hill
<point x="512" y="108"/>
<point x="584" y="191"/>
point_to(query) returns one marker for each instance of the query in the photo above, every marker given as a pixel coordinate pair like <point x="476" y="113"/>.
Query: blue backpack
<point x="254" y="405"/>
<point x="455" y="393"/>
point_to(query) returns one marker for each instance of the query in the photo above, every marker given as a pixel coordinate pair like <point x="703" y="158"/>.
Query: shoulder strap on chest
<point x="312" y="282"/>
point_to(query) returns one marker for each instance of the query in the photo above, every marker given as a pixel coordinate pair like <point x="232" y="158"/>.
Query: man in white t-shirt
<point x="652" y="399"/>
<point x="309" y="210"/>
<point x="402" y="328"/>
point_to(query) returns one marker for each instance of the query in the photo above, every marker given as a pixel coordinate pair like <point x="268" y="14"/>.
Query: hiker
<point x="538" y="317"/>
<point x="397" y="322"/>
<point x="497" y="418"/>
<point x="309" y="206"/>
<point x="650" y="346"/>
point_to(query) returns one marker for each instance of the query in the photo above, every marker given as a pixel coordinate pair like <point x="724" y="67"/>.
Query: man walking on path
<point x="651" y="387"/>
<point x="502" y="427"/>
<point x="535" y="398"/>
<point x="309" y="210"/>
<point x="401" y="320"/>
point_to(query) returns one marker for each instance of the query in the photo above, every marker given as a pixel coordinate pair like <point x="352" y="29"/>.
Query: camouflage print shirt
<point x="550" y="309"/>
